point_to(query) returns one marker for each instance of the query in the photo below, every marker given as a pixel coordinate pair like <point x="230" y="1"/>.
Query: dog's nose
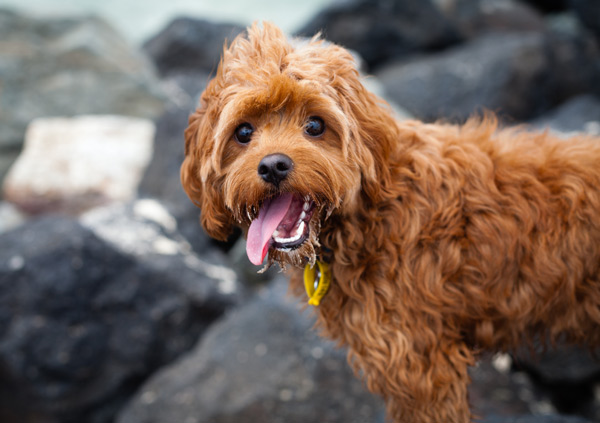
<point x="275" y="168"/>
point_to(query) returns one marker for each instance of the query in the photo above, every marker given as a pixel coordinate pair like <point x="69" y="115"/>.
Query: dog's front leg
<point x="435" y="387"/>
<point x="421" y="384"/>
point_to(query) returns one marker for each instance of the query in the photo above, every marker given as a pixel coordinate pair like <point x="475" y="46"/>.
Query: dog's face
<point x="278" y="144"/>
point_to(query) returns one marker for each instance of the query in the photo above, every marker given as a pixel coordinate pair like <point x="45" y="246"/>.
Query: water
<point x="138" y="20"/>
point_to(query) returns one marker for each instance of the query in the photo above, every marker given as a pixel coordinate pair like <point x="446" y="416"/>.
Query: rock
<point x="518" y="76"/>
<point x="496" y="390"/>
<point x="580" y="114"/>
<point x="75" y="164"/>
<point x="552" y="418"/>
<point x="263" y="363"/>
<point x="162" y="177"/>
<point x="86" y="315"/>
<point x="382" y="30"/>
<point x="66" y="67"/>
<point x="502" y="391"/>
<point x="475" y="17"/>
<point x="548" y="6"/>
<point x="567" y="376"/>
<point x="588" y="12"/>
<point x="10" y="217"/>
<point x="190" y="45"/>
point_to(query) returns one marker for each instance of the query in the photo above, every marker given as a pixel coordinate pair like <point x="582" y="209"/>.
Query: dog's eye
<point x="314" y="126"/>
<point x="243" y="133"/>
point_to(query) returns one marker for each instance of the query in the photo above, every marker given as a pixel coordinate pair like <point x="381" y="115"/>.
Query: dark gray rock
<point x="162" y="177"/>
<point x="66" y="67"/>
<point x="502" y="392"/>
<point x="190" y="45"/>
<point x="588" y="12"/>
<point x="263" y="363"/>
<point x="580" y="114"/>
<point x="567" y="376"/>
<point x="476" y="17"/>
<point x="88" y="311"/>
<point x="496" y="390"/>
<point x="552" y="418"/>
<point x="518" y="76"/>
<point x="548" y="6"/>
<point x="382" y="30"/>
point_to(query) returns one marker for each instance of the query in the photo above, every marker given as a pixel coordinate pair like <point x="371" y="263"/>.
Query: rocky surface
<point x="262" y="363"/>
<point x="66" y="67"/>
<point x="579" y="114"/>
<point x="476" y="17"/>
<point x="89" y="310"/>
<point x="383" y="30"/>
<point x="130" y="314"/>
<point x="176" y="48"/>
<point x="515" y="75"/>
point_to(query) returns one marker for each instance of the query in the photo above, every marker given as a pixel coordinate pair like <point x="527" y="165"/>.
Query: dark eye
<point x="243" y="133"/>
<point x="314" y="126"/>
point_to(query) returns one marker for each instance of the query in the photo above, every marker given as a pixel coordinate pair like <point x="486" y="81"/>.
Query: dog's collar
<point x="317" y="279"/>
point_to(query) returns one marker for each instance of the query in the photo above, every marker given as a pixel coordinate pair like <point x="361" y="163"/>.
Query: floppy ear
<point x="198" y="178"/>
<point x="373" y="132"/>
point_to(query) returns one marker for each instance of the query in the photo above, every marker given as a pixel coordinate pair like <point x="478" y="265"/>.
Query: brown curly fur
<point x="445" y="240"/>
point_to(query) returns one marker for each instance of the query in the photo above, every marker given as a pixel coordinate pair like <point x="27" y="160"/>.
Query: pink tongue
<point x="261" y="229"/>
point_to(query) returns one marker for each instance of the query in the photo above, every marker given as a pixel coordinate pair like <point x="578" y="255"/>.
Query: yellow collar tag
<point x="316" y="282"/>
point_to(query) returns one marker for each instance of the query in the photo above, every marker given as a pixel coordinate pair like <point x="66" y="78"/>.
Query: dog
<point x="441" y="241"/>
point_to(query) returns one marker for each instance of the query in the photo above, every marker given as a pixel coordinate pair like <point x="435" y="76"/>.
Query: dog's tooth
<point x="296" y="237"/>
<point x="302" y="215"/>
<point x="306" y="206"/>
<point x="300" y="230"/>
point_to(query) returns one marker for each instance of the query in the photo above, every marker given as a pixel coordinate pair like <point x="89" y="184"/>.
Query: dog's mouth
<point x="282" y="224"/>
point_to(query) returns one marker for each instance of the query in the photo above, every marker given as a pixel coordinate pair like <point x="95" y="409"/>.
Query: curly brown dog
<point x="442" y="240"/>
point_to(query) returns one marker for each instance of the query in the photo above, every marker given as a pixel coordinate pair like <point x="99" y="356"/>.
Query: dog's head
<point x="285" y="135"/>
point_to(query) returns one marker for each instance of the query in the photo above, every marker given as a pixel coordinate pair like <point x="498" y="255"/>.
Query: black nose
<point x="275" y="168"/>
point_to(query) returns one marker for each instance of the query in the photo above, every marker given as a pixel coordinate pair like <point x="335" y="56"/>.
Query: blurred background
<point x="116" y="307"/>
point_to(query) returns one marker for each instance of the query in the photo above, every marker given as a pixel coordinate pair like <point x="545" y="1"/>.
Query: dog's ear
<point x="373" y="132"/>
<point x="199" y="180"/>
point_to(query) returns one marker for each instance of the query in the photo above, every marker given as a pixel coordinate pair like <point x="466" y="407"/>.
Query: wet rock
<point x="66" y="67"/>
<point x="382" y="30"/>
<point x="74" y="164"/>
<point x="263" y="363"/>
<point x="88" y="311"/>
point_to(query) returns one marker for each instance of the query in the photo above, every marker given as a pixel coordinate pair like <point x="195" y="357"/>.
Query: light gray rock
<point x="10" y="216"/>
<point x="74" y="164"/>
